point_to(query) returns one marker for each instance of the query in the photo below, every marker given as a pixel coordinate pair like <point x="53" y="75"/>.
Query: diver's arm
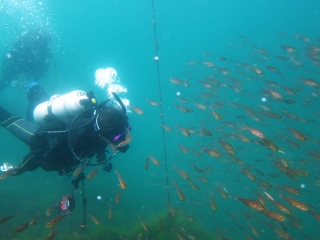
<point x="28" y="163"/>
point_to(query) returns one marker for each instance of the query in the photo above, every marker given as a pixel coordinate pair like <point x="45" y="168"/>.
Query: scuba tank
<point x="62" y="106"/>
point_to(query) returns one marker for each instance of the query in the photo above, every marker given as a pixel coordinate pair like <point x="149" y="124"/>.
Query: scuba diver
<point x="68" y="130"/>
<point x="29" y="54"/>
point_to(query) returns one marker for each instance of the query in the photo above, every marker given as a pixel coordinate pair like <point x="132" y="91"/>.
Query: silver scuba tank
<point x="62" y="106"/>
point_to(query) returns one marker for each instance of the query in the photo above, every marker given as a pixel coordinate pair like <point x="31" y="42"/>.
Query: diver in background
<point x="29" y="54"/>
<point x="62" y="143"/>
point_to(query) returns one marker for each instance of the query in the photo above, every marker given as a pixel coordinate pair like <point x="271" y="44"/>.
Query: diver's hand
<point x="123" y="149"/>
<point x="107" y="167"/>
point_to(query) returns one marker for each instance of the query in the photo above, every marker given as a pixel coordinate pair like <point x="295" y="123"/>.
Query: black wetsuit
<point x="50" y="150"/>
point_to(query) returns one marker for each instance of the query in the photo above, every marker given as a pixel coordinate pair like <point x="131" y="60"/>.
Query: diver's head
<point x="112" y="124"/>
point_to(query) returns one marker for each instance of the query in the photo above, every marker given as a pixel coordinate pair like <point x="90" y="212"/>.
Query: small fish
<point x="52" y="236"/>
<point x="20" y="228"/>
<point x="183" y="149"/>
<point x="212" y="204"/>
<point x="146" y="165"/>
<point x="206" y="132"/>
<point x="92" y="173"/>
<point x="282" y="207"/>
<point x="137" y="110"/>
<point x="176" y="80"/>
<point x="300" y="205"/>
<point x="184" y="131"/>
<point x="215" y="114"/>
<point x="125" y="142"/>
<point x="193" y="185"/>
<point x="252" y="203"/>
<point x="78" y="170"/>
<point x="297" y="134"/>
<point x="256" y="132"/>
<point x="180" y="193"/>
<point x="289" y="49"/>
<point x="273" y="215"/>
<point x="269" y="144"/>
<point x="200" y="106"/>
<point x="253" y="230"/>
<point x="290" y="189"/>
<point x="268" y="195"/>
<point x="50" y="209"/>
<point x="310" y="82"/>
<point x="183" y="109"/>
<point x="110" y="212"/>
<point x="54" y="221"/>
<point x="144" y="225"/>
<point x="199" y="170"/>
<point x="51" y="232"/>
<point x="212" y="152"/>
<point x="203" y="179"/>
<point x="34" y="219"/>
<point x="261" y="199"/>
<point x="118" y="196"/>
<point x="167" y="128"/>
<point x="94" y="219"/>
<point x="121" y="181"/>
<point x="6" y="218"/>
<point x="248" y="174"/>
<point x="154" y="160"/>
<point x="172" y="211"/>
<point x="316" y="215"/>
<point x="153" y="103"/>
<point x="182" y="173"/>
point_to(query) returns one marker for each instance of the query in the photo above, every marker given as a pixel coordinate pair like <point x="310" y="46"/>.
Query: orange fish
<point x="78" y="170"/>
<point x="182" y="173"/>
<point x="297" y="134"/>
<point x="154" y="160"/>
<point x="92" y="173"/>
<point x="55" y="221"/>
<point x="118" y="196"/>
<point x="144" y="225"/>
<point x="273" y="215"/>
<point x="20" y="228"/>
<point x="122" y="182"/>
<point x="256" y="132"/>
<point x="296" y="203"/>
<point x="94" y="219"/>
<point x="125" y="142"/>
<point x="252" y="203"/>
<point x="137" y="110"/>
<point x="180" y="193"/>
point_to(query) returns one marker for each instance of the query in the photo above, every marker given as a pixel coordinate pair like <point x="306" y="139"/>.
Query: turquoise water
<point x="88" y="36"/>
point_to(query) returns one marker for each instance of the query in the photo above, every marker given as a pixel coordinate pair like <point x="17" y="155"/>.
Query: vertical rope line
<point x="156" y="44"/>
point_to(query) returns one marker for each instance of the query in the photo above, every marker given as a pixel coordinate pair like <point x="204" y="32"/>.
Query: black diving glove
<point x="123" y="149"/>
<point x="107" y="167"/>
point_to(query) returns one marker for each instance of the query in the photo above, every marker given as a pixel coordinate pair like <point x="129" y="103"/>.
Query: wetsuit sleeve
<point x="28" y="163"/>
<point x="20" y="128"/>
